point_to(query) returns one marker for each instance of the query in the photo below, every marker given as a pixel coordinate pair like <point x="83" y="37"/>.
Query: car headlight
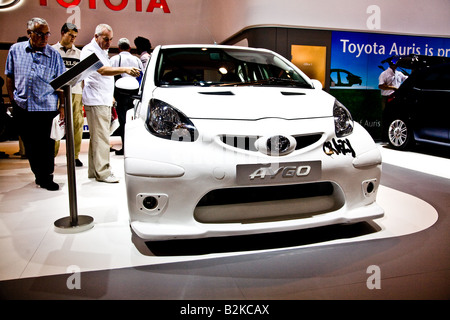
<point x="166" y="122"/>
<point x="343" y="122"/>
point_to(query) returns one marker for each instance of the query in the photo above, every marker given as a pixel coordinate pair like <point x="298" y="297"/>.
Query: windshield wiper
<point x="296" y="83"/>
<point x="206" y="83"/>
<point x="270" y="81"/>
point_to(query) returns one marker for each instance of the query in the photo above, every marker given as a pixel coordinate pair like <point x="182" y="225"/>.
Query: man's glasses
<point x="42" y="35"/>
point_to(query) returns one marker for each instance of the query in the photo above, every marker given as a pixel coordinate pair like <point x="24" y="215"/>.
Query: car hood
<point x="247" y="103"/>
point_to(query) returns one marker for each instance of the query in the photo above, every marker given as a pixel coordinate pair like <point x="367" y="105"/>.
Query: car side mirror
<point x="128" y="86"/>
<point x="317" y="84"/>
<point x="127" y="83"/>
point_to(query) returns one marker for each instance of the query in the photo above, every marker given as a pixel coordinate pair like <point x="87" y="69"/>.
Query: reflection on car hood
<point x="247" y="103"/>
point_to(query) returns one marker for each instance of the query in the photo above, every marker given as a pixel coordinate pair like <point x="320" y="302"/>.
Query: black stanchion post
<point x="73" y="223"/>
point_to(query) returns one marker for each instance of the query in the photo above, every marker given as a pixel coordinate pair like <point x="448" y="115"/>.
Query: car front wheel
<point x="400" y="134"/>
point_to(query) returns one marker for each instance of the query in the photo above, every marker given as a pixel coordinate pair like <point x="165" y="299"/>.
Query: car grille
<point x="240" y="142"/>
<point x="248" y="142"/>
<point x="307" y="140"/>
<point x="268" y="203"/>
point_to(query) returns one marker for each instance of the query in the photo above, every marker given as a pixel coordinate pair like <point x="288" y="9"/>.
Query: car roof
<point x="210" y="46"/>
<point x="437" y="68"/>
<point x="415" y="61"/>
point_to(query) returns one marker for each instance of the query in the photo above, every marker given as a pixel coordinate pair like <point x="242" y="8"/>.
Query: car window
<point x="345" y="78"/>
<point x="437" y="79"/>
<point x="221" y="67"/>
<point x="445" y="81"/>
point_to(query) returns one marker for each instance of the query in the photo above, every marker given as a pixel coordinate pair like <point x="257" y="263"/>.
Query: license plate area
<point x="278" y="173"/>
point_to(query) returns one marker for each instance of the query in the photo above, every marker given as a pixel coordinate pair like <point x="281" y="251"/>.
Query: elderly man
<point x="98" y="99"/>
<point x="30" y="67"/>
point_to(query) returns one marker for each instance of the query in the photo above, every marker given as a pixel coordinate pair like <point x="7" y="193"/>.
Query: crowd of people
<point x="31" y="66"/>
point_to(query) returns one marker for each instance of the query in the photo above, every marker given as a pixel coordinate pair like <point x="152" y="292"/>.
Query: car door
<point x="433" y="99"/>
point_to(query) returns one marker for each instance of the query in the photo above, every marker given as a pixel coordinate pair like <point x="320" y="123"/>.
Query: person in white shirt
<point x="124" y="102"/>
<point x="98" y="99"/>
<point x="71" y="56"/>
<point x="388" y="81"/>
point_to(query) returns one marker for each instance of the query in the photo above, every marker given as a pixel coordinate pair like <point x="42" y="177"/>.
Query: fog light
<point x="369" y="187"/>
<point x="150" y="203"/>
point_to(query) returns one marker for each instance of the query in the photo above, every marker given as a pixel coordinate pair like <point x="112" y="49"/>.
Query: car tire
<point x="400" y="135"/>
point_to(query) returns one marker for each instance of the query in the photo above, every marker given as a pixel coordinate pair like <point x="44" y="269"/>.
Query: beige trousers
<point x="78" y="122"/>
<point x="99" y="121"/>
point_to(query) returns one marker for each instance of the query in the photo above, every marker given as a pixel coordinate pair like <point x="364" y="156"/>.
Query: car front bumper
<point x="198" y="189"/>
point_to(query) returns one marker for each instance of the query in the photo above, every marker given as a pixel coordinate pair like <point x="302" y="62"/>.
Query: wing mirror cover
<point x="127" y="85"/>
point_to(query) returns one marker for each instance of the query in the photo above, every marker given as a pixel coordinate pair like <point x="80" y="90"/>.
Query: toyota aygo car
<point x="228" y="140"/>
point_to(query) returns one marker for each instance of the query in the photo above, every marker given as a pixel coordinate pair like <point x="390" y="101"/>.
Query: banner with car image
<point x="358" y="59"/>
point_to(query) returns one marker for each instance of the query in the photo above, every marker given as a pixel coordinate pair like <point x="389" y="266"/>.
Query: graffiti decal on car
<point x="339" y="146"/>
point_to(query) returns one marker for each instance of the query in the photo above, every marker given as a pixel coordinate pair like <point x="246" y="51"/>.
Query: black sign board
<point x="78" y="72"/>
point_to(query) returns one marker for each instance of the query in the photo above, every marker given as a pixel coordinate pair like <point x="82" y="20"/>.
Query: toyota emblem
<point x="278" y="144"/>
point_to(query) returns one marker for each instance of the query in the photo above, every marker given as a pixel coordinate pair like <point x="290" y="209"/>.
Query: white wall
<point x="181" y="25"/>
<point x="413" y="17"/>
<point x="209" y="20"/>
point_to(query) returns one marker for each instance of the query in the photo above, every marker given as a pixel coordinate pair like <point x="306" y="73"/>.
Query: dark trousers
<point x="384" y="124"/>
<point x="34" y="129"/>
<point x="124" y="103"/>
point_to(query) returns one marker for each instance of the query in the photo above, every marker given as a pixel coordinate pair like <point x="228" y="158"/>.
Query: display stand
<point x="73" y="223"/>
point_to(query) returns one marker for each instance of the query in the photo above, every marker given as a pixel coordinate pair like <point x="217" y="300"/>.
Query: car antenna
<point x="210" y="34"/>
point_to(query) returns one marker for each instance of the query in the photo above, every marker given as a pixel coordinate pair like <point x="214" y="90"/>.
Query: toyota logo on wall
<point x="5" y="4"/>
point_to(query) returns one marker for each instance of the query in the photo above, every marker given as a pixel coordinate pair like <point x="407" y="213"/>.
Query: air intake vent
<point x="248" y="142"/>
<point x="240" y="142"/>
<point x="287" y="93"/>
<point x="218" y="93"/>
<point x="304" y="141"/>
<point x="269" y="203"/>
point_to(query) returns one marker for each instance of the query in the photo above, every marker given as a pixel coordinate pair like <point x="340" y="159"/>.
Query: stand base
<point x="64" y="225"/>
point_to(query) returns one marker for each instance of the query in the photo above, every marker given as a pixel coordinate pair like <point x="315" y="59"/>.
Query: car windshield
<point x="224" y="67"/>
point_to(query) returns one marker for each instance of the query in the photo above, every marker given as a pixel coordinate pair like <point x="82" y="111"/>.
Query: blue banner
<point x="356" y="58"/>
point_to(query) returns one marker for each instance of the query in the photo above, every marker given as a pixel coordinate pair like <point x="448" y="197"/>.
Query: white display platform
<point x="30" y="246"/>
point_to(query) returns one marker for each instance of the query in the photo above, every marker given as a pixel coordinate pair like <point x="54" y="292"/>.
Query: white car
<point x="227" y="140"/>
